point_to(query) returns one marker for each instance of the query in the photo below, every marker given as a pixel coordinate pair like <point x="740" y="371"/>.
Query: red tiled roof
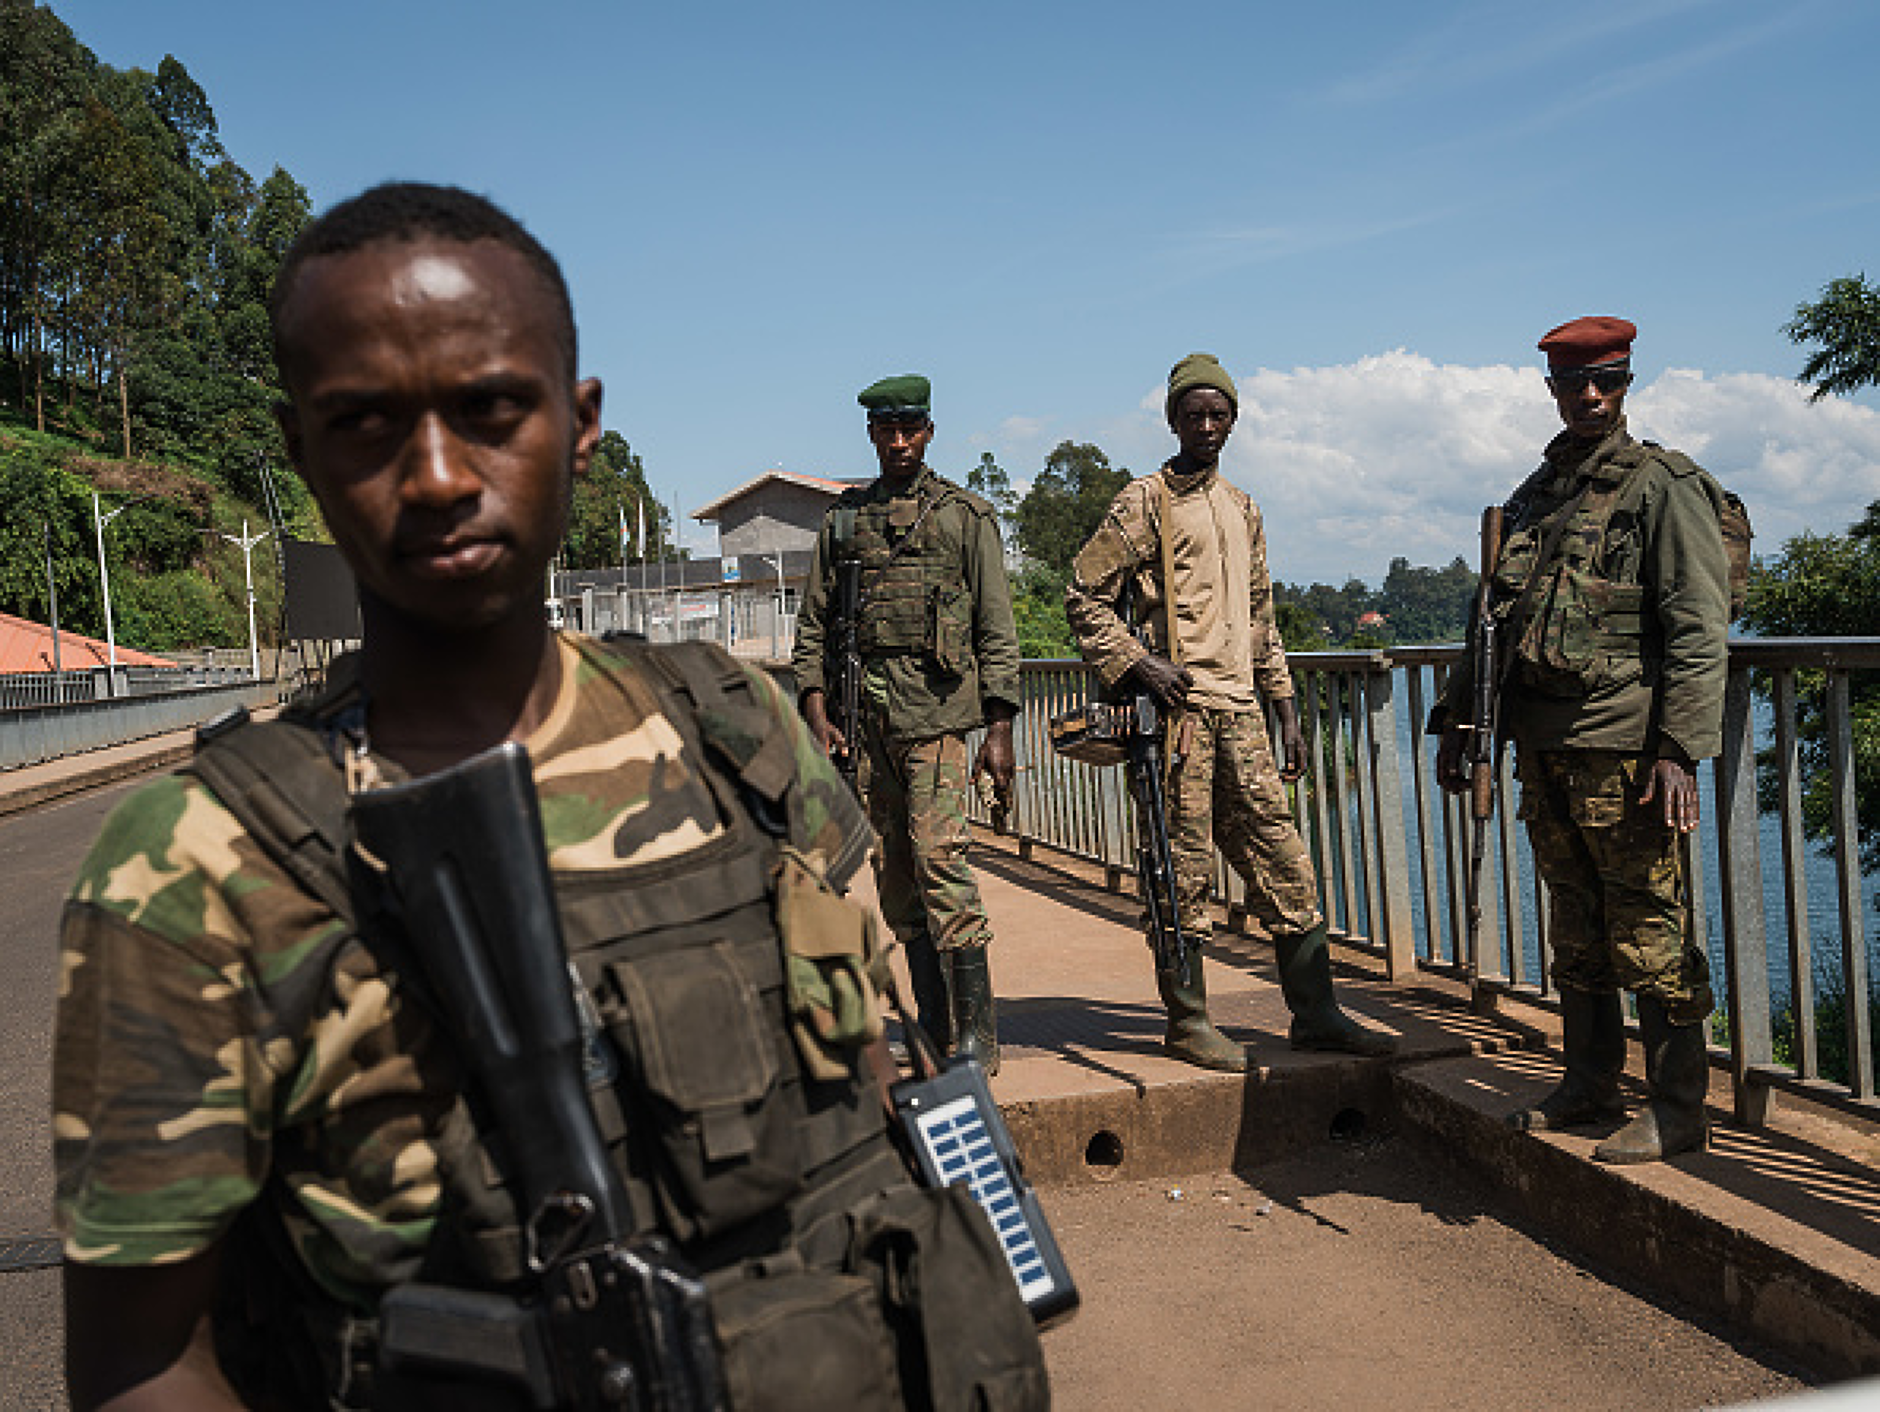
<point x="26" y="646"/>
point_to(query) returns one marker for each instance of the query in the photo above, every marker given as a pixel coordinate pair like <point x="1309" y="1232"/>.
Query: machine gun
<point x="1144" y="724"/>
<point x="1481" y="747"/>
<point x="611" y="1322"/>
<point x="845" y="694"/>
<point x="1127" y="730"/>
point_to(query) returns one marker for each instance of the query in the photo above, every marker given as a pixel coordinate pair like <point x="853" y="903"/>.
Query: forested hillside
<point x="135" y="261"/>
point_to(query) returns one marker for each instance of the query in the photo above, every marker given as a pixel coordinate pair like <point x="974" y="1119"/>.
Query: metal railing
<point x="21" y="691"/>
<point x="32" y="735"/>
<point x="1390" y="846"/>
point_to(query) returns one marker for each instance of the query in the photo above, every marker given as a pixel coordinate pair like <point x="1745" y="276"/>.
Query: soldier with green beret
<point x="940" y="657"/>
<point x="1612" y="592"/>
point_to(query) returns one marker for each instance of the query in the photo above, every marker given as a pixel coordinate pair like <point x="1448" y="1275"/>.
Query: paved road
<point x="39" y="852"/>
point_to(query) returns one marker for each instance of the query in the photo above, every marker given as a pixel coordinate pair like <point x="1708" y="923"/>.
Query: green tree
<point x="990" y="480"/>
<point x="1066" y="503"/>
<point x="608" y="496"/>
<point x="1843" y="326"/>
<point x="1827" y="586"/>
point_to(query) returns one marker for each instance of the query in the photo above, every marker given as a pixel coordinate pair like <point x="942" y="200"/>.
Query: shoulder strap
<point x="280" y="780"/>
<point x="703" y="681"/>
<point x="1163" y="499"/>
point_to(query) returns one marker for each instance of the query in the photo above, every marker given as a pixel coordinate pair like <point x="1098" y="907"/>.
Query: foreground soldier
<point x="259" y="1127"/>
<point x="1612" y="592"/>
<point x="940" y="658"/>
<point x="1192" y="546"/>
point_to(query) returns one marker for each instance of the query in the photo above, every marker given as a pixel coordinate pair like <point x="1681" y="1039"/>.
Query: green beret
<point x="908" y="397"/>
<point x="1199" y="370"/>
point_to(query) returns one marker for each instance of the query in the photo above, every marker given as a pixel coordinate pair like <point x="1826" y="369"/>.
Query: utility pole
<point x="248" y="544"/>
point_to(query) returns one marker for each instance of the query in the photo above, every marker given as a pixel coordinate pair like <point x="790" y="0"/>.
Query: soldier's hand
<point x="1449" y="771"/>
<point x="997" y="759"/>
<point x="1675" y="785"/>
<point x="823" y="730"/>
<point x="1292" y="741"/>
<point x="1166" y="681"/>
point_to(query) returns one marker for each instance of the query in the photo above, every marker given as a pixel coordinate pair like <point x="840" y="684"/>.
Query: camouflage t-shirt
<point x="210" y="1044"/>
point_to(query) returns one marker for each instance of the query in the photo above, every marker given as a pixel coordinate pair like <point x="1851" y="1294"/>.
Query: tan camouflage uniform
<point x="1227" y="794"/>
<point x="1621" y="658"/>
<point x="209" y="1052"/>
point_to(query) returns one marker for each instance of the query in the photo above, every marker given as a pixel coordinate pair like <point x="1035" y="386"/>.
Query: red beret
<point x="1584" y="342"/>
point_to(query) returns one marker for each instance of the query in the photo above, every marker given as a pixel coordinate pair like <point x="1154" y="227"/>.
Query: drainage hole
<point x="1348" y="1125"/>
<point x="1103" y="1154"/>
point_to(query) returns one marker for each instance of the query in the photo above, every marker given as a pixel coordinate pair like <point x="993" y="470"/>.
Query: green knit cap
<point x="1199" y="370"/>
<point x="907" y="398"/>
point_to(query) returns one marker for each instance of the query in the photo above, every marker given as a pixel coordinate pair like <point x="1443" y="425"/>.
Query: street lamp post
<point x="99" y="521"/>
<point x="248" y="543"/>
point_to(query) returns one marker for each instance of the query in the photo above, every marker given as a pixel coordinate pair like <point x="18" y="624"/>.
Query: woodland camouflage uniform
<point x="937" y="642"/>
<point x="1613" y="592"/>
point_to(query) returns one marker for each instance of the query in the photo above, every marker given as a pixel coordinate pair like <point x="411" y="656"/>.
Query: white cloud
<point x="1396" y="455"/>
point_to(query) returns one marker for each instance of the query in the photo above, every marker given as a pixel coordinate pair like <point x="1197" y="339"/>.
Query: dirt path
<point x="1358" y="1276"/>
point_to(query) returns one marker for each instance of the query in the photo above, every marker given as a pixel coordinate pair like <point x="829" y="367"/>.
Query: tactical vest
<point x="737" y="1128"/>
<point x="1570" y="625"/>
<point x="915" y="598"/>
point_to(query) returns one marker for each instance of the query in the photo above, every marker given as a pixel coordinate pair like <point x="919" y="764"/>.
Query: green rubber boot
<point x="975" y="1013"/>
<point x="933" y="1006"/>
<point x="1191" y="1035"/>
<point x="1677" y="1065"/>
<point x="1305" y="979"/>
<point x="1592" y="1029"/>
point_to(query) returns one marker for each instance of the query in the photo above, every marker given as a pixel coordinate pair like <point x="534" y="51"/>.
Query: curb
<point x="1623" y="1220"/>
<point x="32" y="796"/>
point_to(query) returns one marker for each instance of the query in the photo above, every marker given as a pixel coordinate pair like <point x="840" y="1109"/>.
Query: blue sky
<point x="1368" y="211"/>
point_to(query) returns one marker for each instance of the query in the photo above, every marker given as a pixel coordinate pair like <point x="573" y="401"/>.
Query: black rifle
<point x="844" y="703"/>
<point x="611" y="1322"/>
<point x="1142" y="726"/>
<point x="1480" y="747"/>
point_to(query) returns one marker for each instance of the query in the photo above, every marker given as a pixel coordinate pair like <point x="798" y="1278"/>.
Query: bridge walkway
<point x="1772" y="1237"/>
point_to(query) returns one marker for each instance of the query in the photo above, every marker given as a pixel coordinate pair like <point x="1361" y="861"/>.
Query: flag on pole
<point x="621" y="510"/>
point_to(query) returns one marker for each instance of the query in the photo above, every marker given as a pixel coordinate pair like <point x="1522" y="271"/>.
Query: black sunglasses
<point x="1574" y="379"/>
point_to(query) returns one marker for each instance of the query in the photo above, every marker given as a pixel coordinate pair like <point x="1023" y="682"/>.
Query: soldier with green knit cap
<point x="940" y="659"/>
<point x="1192" y="546"/>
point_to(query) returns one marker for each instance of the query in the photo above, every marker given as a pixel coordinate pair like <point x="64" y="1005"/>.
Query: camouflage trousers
<point x="1228" y="796"/>
<point x="1619" y="914"/>
<point x="916" y="793"/>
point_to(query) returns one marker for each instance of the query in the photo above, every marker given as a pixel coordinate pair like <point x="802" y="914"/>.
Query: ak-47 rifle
<point x="1481" y="747"/>
<point x="1142" y="728"/>
<point x="610" y="1321"/>
<point x="844" y="703"/>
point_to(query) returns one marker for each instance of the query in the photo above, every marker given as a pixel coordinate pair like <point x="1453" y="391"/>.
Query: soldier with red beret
<point x="1612" y="595"/>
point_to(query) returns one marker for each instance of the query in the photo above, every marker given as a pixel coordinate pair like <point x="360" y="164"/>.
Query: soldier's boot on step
<point x="1677" y="1065"/>
<point x="1305" y="979"/>
<point x="1592" y="1030"/>
<point x="975" y="1013"/>
<point x="933" y="1002"/>
<point x="1191" y="1035"/>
